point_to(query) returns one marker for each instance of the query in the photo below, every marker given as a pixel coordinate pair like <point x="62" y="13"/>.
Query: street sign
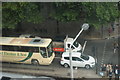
<point x="58" y="49"/>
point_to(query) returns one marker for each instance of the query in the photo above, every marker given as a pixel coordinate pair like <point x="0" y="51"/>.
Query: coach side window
<point x="0" y="47"/>
<point x="43" y="52"/>
<point x="33" y="49"/>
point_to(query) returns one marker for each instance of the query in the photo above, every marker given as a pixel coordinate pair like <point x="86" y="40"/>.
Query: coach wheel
<point x="35" y="62"/>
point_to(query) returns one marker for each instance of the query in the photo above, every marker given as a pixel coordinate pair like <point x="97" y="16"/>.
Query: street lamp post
<point x="85" y="26"/>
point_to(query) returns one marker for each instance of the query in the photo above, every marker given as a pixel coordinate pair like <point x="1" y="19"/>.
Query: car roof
<point x="18" y="41"/>
<point x="75" y="54"/>
<point x="69" y="40"/>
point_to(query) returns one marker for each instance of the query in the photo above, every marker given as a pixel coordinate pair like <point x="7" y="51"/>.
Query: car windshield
<point x="49" y="49"/>
<point x="76" y="44"/>
<point x="85" y="57"/>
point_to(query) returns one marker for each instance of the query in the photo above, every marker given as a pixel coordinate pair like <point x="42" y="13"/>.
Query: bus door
<point x="44" y="54"/>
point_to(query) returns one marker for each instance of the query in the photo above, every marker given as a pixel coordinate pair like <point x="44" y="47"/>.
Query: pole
<point x="71" y="66"/>
<point x="84" y="46"/>
<point x="70" y="55"/>
<point x="78" y="35"/>
<point x="96" y="59"/>
<point x="84" y="27"/>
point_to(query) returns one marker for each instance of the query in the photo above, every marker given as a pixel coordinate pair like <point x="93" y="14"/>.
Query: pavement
<point x="77" y="73"/>
<point x="56" y="72"/>
<point x="106" y="35"/>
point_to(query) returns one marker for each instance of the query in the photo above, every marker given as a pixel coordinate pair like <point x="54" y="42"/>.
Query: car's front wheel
<point x="87" y="66"/>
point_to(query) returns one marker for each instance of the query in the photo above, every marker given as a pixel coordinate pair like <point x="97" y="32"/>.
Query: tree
<point x="94" y="13"/>
<point x="101" y="13"/>
<point x="67" y="11"/>
<point x="13" y="13"/>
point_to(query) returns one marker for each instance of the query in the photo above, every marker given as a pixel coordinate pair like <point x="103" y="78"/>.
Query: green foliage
<point x="95" y="13"/>
<point x="15" y="12"/>
<point x="66" y="12"/>
<point x="107" y="12"/>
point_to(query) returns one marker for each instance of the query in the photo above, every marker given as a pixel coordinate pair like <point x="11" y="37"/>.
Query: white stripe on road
<point x="103" y="54"/>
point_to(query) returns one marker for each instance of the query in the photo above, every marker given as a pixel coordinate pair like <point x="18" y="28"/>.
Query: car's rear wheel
<point x="66" y="65"/>
<point x="87" y="66"/>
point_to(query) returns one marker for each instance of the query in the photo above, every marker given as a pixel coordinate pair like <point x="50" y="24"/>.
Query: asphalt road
<point x="103" y="51"/>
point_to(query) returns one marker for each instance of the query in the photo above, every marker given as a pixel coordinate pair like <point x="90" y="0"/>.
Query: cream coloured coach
<point x="26" y="50"/>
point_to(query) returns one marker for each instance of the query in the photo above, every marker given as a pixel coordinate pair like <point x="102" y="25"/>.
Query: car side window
<point x="67" y="58"/>
<point x="80" y="59"/>
<point x="76" y="59"/>
<point x="72" y="47"/>
<point x="68" y="45"/>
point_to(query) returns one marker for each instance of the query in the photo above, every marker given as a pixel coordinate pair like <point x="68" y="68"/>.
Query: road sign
<point x="58" y="49"/>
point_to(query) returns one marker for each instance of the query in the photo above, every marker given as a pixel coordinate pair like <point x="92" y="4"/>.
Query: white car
<point x="75" y="46"/>
<point x="78" y="60"/>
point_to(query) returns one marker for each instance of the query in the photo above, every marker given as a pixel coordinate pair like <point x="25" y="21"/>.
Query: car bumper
<point x="92" y="65"/>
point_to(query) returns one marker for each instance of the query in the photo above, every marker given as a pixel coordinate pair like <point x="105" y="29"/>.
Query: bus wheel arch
<point x="34" y="62"/>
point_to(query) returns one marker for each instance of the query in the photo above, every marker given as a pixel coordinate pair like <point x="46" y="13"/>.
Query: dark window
<point x="49" y="49"/>
<point x="43" y="52"/>
<point x="0" y="47"/>
<point x="9" y="48"/>
<point x="76" y="44"/>
<point x="85" y="57"/>
<point x="32" y="49"/>
<point x="76" y="59"/>
<point x="20" y="48"/>
<point x="67" y="58"/>
<point x="69" y="45"/>
<point x="36" y="40"/>
<point x="72" y="47"/>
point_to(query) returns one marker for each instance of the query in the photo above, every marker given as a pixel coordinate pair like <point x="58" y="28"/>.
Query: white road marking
<point x="103" y="54"/>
